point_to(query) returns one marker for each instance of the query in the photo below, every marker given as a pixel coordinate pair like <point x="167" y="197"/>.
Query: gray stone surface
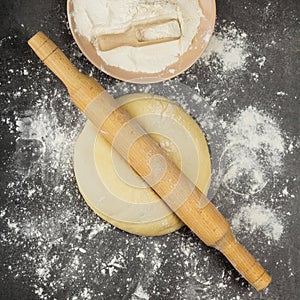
<point x="52" y="244"/>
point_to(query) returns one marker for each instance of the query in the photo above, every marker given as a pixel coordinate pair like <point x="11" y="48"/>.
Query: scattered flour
<point x="93" y="18"/>
<point x="257" y="218"/>
<point x="227" y="49"/>
<point x="140" y="294"/>
<point x="281" y="93"/>
<point x="254" y="152"/>
<point x="261" y="61"/>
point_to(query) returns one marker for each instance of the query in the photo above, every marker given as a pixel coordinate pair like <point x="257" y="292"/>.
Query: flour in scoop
<point x="95" y="17"/>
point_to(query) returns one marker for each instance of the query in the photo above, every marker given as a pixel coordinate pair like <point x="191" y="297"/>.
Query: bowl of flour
<point x="147" y="64"/>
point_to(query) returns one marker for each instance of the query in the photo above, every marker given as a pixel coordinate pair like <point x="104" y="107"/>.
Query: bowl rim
<point x="185" y="61"/>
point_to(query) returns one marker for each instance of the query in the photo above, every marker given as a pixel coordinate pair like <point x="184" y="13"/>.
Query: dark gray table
<point x="54" y="247"/>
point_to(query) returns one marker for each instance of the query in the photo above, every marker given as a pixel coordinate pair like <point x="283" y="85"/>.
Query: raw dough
<point x="115" y="192"/>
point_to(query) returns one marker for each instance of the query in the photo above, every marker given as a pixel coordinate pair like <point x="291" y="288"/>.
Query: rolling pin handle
<point x="77" y="83"/>
<point x="243" y="261"/>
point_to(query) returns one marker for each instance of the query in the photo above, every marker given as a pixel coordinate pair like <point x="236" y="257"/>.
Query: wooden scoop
<point x="143" y="34"/>
<point x="196" y="211"/>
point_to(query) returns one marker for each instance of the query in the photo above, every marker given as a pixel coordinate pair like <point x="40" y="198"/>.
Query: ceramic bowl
<point x="185" y="61"/>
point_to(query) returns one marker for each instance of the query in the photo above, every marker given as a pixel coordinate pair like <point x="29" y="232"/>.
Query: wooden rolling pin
<point x="131" y="141"/>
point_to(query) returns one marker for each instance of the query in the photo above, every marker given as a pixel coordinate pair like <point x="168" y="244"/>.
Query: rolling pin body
<point x="133" y="143"/>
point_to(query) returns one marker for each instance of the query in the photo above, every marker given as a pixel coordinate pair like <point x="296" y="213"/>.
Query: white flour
<point x="94" y="17"/>
<point x="140" y="294"/>
<point x="257" y="218"/>
<point x="253" y="153"/>
<point x="227" y="49"/>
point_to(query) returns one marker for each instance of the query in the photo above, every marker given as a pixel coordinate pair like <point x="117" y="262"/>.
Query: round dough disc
<point x="113" y="189"/>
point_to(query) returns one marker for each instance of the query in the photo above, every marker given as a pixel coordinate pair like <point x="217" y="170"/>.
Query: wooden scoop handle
<point x="134" y="36"/>
<point x="196" y="211"/>
<point x="108" y="42"/>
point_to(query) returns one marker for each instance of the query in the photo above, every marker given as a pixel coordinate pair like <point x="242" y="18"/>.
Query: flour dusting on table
<point x="256" y="217"/>
<point x="254" y="151"/>
<point x="227" y="49"/>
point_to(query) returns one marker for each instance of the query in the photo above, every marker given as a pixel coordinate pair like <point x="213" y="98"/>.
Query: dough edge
<point x="170" y="223"/>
